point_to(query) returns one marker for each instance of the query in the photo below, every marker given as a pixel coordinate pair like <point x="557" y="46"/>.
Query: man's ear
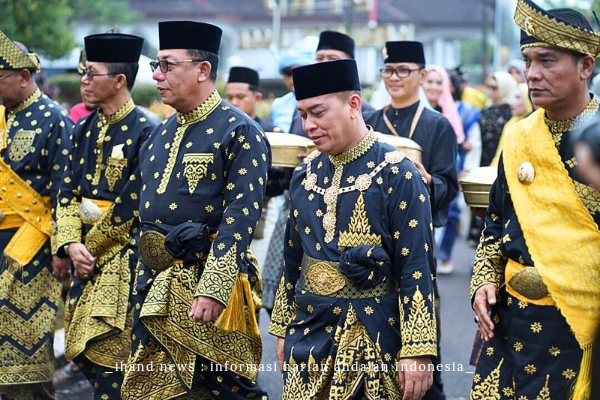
<point x="588" y="63"/>
<point x="205" y="68"/>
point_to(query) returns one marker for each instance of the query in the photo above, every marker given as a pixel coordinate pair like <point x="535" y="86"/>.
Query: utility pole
<point x="484" y="39"/>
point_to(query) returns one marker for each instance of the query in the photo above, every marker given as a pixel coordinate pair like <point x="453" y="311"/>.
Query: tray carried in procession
<point x="408" y="146"/>
<point x="285" y="147"/>
<point x="476" y="185"/>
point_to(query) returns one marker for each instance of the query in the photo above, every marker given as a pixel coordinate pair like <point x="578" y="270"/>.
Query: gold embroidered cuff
<point x="219" y="275"/>
<point x="277" y="329"/>
<point x="68" y="224"/>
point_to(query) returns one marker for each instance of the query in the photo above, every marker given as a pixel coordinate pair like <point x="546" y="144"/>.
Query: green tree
<point x="46" y="26"/>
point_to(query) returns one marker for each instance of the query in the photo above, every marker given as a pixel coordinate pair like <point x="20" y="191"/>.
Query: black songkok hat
<point x="561" y="27"/>
<point x="331" y="40"/>
<point x="244" y="75"/>
<point x="323" y="78"/>
<point x="404" y="51"/>
<point x="113" y="48"/>
<point x="189" y="35"/>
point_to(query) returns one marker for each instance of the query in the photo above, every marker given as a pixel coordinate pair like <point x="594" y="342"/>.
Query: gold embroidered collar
<point x="565" y="125"/>
<point x="28" y="101"/>
<point x="354" y="153"/>
<point x="117" y="115"/>
<point x="201" y="112"/>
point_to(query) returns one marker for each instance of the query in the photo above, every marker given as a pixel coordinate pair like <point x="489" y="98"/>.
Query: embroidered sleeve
<point x="284" y="309"/>
<point x="247" y="159"/>
<point x="489" y="260"/>
<point x="68" y="222"/>
<point x="412" y="234"/>
<point x="58" y="145"/>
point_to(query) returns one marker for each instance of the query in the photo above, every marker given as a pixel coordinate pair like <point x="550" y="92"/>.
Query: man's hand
<point x="417" y="379"/>
<point x="206" y="309"/>
<point x="60" y="268"/>
<point x="485" y="298"/>
<point x="279" y="352"/>
<point x="423" y="172"/>
<point x="83" y="261"/>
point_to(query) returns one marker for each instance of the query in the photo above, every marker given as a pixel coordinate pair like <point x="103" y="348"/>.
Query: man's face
<point x="553" y="77"/>
<point x="97" y="85"/>
<point x="407" y="87"/>
<point x="326" y="120"/>
<point x="178" y="86"/>
<point x="331" y="55"/>
<point x="10" y="88"/>
<point x="240" y="95"/>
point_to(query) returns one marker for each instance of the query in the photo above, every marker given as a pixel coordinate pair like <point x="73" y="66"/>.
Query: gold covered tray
<point x="405" y="145"/>
<point x="285" y="148"/>
<point x="476" y="185"/>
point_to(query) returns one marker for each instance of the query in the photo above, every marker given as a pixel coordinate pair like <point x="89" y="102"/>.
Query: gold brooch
<point x="526" y="173"/>
<point x="529" y="27"/>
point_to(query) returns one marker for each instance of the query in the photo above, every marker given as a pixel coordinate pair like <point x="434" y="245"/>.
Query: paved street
<point x="458" y="331"/>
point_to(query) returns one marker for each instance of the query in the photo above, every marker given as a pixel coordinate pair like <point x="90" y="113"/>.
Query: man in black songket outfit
<point x="203" y="181"/>
<point x="33" y="155"/>
<point x="535" y="286"/>
<point x="408" y="117"/>
<point x="355" y="305"/>
<point x="97" y="214"/>
<point x="243" y="91"/>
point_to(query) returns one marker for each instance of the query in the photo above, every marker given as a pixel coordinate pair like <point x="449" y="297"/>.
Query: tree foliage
<point x="46" y="26"/>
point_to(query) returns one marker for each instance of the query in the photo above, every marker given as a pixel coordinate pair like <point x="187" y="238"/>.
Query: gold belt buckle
<point x="152" y="251"/>
<point x="529" y="283"/>
<point x="324" y="278"/>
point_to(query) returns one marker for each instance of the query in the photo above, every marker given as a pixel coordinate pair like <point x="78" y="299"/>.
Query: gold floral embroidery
<point x="200" y="113"/>
<point x="489" y="265"/>
<point x="489" y="388"/>
<point x="114" y="171"/>
<point x="419" y="331"/>
<point x="359" y="229"/>
<point x="196" y="168"/>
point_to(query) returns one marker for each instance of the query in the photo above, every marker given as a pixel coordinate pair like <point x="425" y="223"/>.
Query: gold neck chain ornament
<point x="557" y="128"/>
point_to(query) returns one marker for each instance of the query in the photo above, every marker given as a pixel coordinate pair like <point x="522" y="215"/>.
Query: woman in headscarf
<point x="501" y="88"/>
<point x="520" y="107"/>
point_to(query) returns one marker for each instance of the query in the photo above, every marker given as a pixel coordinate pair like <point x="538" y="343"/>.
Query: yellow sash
<point x="29" y="205"/>
<point x="559" y="232"/>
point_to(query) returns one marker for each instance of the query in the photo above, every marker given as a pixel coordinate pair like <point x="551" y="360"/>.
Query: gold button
<point x="19" y="195"/>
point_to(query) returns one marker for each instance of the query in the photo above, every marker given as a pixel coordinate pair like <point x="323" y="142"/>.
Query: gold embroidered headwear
<point x="11" y="57"/>
<point x="562" y="27"/>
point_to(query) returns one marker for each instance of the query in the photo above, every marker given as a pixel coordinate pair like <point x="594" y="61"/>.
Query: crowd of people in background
<point x="152" y="222"/>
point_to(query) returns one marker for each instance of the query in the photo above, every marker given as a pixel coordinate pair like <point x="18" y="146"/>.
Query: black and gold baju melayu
<point x="436" y="137"/>
<point x="34" y="155"/>
<point x="104" y="172"/>
<point x="203" y="176"/>
<point x="357" y="291"/>
<point x="538" y="248"/>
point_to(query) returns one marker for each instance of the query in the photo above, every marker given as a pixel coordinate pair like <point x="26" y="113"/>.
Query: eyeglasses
<point x="400" y="72"/>
<point x="90" y="75"/>
<point x="164" y="64"/>
<point x="7" y="75"/>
